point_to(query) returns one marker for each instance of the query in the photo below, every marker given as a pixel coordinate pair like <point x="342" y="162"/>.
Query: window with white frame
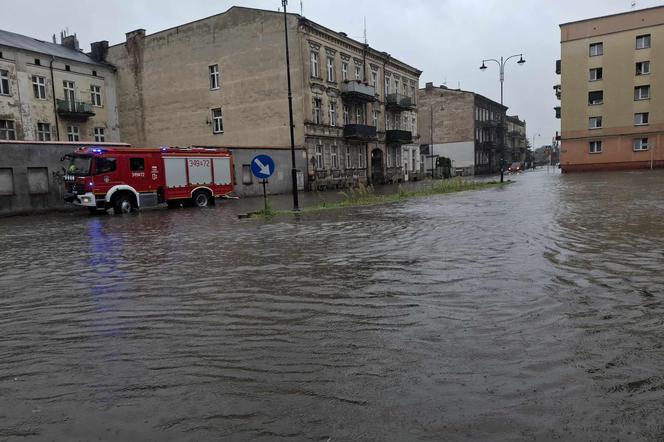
<point x="358" y="73"/>
<point x="389" y="156"/>
<point x="7" y="130"/>
<point x="4" y="82"/>
<point x="640" y="144"/>
<point x="319" y="157"/>
<point x="643" y="41"/>
<point x="333" y="113"/>
<point x="642" y="92"/>
<point x="374" y="118"/>
<point x="317" y="111"/>
<point x="346" y="112"/>
<point x="387" y="85"/>
<point x="361" y="157"/>
<point x="595" y="147"/>
<point x="330" y="70"/>
<point x="359" y="115"/>
<point x="413" y="95"/>
<point x="349" y="159"/>
<point x="595" y="122"/>
<point x="374" y="79"/>
<point x="315" y="68"/>
<point x="344" y="70"/>
<point x="595" y="74"/>
<point x="596" y="49"/>
<point x="397" y="84"/>
<point x="641" y="118"/>
<point x="39" y="87"/>
<point x="95" y="95"/>
<point x="73" y="133"/>
<point x="642" y="67"/>
<point x="334" y="156"/>
<point x="43" y="131"/>
<point x="217" y="120"/>
<point x="100" y="135"/>
<point x="215" y="75"/>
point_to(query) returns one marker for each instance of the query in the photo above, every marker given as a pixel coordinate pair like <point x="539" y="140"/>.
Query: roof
<point x="611" y="15"/>
<point x="24" y="42"/>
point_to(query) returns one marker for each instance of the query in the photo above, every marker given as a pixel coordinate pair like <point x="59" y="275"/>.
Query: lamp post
<point x="296" y="205"/>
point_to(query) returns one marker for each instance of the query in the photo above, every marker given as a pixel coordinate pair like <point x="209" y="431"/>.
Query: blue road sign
<point x="262" y="166"/>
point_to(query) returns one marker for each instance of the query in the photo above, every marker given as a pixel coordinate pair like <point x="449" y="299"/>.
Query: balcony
<point x="558" y="91"/>
<point x="357" y="91"/>
<point x="557" y="109"/>
<point x="558" y="67"/>
<point x="360" y="132"/>
<point x="398" y="102"/>
<point x="398" y="137"/>
<point x="74" y="110"/>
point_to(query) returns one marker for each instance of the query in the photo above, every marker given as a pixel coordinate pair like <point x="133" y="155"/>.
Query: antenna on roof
<point x="633" y="4"/>
<point x="301" y="9"/>
<point x="365" y="29"/>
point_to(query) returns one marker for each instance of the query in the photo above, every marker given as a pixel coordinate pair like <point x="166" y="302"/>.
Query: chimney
<point x="99" y="50"/>
<point x="135" y="34"/>
<point x="429" y="86"/>
<point x="69" y="41"/>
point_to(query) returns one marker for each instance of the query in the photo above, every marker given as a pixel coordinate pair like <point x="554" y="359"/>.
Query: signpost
<point x="262" y="166"/>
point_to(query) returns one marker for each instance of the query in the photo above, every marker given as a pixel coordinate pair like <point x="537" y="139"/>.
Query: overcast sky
<point x="446" y="39"/>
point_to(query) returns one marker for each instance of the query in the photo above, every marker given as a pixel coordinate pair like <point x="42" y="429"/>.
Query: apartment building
<point x="516" y="146"/>
<point x="55" y="92"/>
<point x="466" y="127"/>
<point x="612" y="92"/>
<point x="221" y="81"/>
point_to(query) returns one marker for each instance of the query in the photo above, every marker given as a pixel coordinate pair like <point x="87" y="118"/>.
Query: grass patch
<point x="366" y="196"/>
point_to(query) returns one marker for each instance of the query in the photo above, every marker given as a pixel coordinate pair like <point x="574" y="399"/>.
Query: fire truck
<point x="125" y="179"/>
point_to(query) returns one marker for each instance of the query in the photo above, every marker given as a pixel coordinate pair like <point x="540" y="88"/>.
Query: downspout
<point x="55" y="108"/>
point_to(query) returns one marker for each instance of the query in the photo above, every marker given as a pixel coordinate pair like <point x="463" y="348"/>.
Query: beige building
<point x="221" y="81"/>
<point x="55" y="92"/>
<point x="612" y="91"/>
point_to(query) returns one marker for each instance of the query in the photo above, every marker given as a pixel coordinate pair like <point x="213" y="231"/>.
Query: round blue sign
<point x="262" y="166"/>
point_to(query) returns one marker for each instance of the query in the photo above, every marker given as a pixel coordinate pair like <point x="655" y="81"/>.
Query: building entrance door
<point x="377" y="175"/>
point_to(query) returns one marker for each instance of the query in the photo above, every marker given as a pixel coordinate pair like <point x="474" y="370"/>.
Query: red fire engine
<point x="124" y="179"/>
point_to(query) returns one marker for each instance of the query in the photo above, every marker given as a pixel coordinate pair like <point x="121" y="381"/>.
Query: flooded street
<point x="532" y="311"/>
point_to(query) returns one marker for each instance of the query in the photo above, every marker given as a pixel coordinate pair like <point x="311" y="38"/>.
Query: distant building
<point x="466" y="127"/>
<point x="55" y="92"/>
<point x="612" y="91"/>
<point x="221" y="80"/>
<point x="516" y="146"/>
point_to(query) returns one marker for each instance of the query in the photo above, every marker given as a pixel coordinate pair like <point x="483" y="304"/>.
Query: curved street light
<point x="501" y="64"/>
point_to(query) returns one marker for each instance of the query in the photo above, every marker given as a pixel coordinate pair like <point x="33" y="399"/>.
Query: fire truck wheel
<point x="202" y="198"/>
<point x="122" y="204"/>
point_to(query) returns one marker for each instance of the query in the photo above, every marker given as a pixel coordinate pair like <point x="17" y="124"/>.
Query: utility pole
<point x="431" y="140"/>
<point x="296" y="205"/>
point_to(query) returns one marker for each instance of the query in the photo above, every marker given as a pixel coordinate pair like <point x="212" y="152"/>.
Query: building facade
<point x="612" y="92"/>
<point x="225" y="85"/>
<point x="466" y="127"/>
<point x="517" y="146"/>
<point x="55" y="92"/>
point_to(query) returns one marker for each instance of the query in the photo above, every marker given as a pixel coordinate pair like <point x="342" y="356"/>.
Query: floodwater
<point x="531" y="312"/>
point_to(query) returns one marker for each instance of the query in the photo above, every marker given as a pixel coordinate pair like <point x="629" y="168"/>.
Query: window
<point x="389" y="156"/>
<point x="595" y="122"/>
<point x="387" y="85"/>
<point x="374" y="79"/>
<point x="596" y="49"/>
<point x="334" y="157"/>
<point x="100" y="136"/>
<point x="596" y="97"/>
<point x="6" y="181"/>
<point x="333" y="113"/>
<point x="361" y="157"/>
<point x="217" y="121"/>
<point x="359" y="115"/>
<point x="642" y="93"/>
<point x="595" y="74"/>
<point x="346" y="115"/>
<point x="640" y="144"/>
<point x="642" y="68"/>
<point x="67" y="67"/>
<point x="137" y="164"/>
<point x="316" y="111"/>
<point x="413" y="95"/>
<point x="7" y="130"/>
<point x="4" y="82"/>
<point x="37" y="62"/>
<point x="105" y="165"/>
<point x="358" y="73"/>
<point x="349" y="159"/>
<point x="37" y="180"/>
<point x="643" y="41"/>
<point x="315" y="69"/>
<point x="641" y="119"/>
<point x="595" y="147"/>
<point x="374" y="118"/>
<point x="39" y="87"/>
<point x="319" y="157"/>
<point x="94" y="73"/>
<point x="73" y="133"/>
<point x="344" y="71"/>
<point x="69" y="91"/>
<point x="214" y="76"/>
<point x="95" y="95"/>
<point x="396" y="86"/>
<point x="330" y="70"/>
<point x="43" y="131"/>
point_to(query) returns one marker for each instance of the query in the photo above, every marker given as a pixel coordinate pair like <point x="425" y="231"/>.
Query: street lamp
<point x="501" y="64"/>
<point x="296" y="206"/>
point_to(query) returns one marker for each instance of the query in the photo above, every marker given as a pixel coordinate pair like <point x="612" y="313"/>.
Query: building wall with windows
<point x="612" y="91"/>
<point x="50" y="92"/>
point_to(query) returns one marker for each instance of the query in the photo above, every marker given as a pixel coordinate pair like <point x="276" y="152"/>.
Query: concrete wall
<point x="453" y="115"/>
<point x="31" y="176"/>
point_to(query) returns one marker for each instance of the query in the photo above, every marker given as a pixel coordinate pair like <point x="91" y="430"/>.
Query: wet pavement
<point x="530" y="312"/>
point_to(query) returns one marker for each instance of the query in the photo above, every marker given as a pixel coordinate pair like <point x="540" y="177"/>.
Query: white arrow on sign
<point x="265" y="170"/>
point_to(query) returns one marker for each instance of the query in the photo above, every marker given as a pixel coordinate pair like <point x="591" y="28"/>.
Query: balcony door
<point x="70" y="95"/>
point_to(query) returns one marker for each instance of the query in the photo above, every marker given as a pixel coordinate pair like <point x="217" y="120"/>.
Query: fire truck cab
<point x="125" y="179"/>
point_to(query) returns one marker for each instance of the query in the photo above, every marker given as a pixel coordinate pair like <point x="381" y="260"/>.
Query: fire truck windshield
<point x="79" y="165"/>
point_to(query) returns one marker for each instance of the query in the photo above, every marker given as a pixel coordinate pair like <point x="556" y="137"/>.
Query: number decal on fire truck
<point x="155" y="172"/>
<point x="199" y="163"/>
